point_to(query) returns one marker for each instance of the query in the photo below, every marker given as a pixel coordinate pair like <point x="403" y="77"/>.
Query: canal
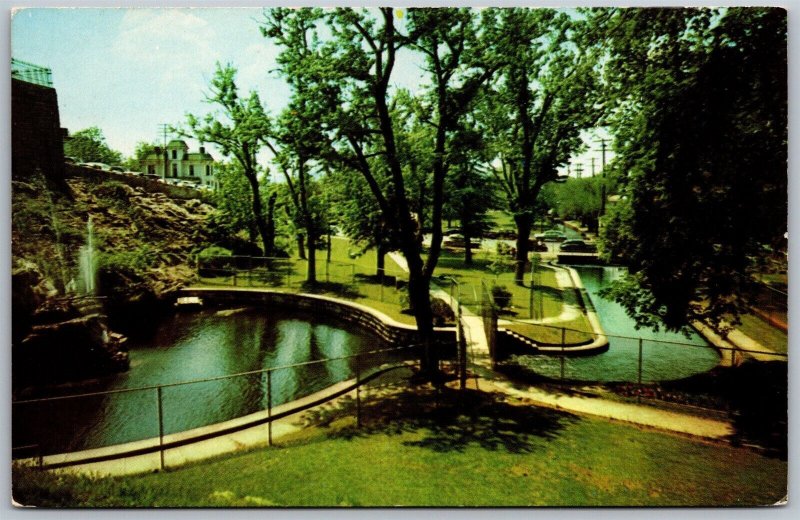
<point x="665" y="355"/>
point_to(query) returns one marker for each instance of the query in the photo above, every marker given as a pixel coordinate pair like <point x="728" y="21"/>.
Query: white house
<point x="197" y="168"/>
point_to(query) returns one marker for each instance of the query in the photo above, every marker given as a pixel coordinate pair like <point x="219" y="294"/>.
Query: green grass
<point x="351" y="274"/>
<point x="419" y="449"/>
<point x="769" y="336"/>
<point x="348" y="275"/>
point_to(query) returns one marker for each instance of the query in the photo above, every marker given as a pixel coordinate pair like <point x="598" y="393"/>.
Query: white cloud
<point x="168" y="45"/>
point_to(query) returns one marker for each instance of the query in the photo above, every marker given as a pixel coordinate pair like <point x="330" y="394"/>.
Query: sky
<point x="127" y="71"/>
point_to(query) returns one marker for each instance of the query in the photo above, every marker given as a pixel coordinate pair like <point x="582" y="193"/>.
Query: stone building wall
<point x="37" y="140"/>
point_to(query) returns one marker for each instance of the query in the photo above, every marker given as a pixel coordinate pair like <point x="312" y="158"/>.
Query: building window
<point x="174" y="154"/>
<point x="151" y="169"/>
<point x="191" y="170"/>
<point x="208" y="169"/>
<point x="174" y="170"/>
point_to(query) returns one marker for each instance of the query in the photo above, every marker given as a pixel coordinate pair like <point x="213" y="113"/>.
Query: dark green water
<point x="665" y="355"/>
<point x="193" y="346"/>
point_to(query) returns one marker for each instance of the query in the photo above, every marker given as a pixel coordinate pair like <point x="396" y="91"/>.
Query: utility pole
<point x="603" y="149"/>
<point x="578" y="169"/>
<point x="163" y="127"/>
<point x="593" y="159"/>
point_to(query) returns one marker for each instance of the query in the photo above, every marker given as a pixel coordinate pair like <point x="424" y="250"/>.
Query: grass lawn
<point x="348" y="275"/>
<point x="352" y="275"/>
<point x="417" y="448"/>
<point x="772" y="338"/>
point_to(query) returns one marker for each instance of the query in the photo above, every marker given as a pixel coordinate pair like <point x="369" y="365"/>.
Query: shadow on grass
<point x="448" y="420"/>
<point x="343" y="290"/>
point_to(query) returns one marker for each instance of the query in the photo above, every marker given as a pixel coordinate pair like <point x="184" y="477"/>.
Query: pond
<point x="666" y="355"/>
<point x="192" y="346"/>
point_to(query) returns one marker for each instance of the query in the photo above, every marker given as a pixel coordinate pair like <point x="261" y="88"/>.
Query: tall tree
<point x="357" y="66"/>
<point x="240" y="128"/>
<point x="533" y="115"/>
<point x="470" y="192"/>
<point x="89" y="145"/>
<point x="703" y="126"/>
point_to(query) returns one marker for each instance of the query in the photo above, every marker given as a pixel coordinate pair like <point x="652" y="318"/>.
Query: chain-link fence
<point x="159" y="417"/>
<point x="771" y="305"/>
<point x="352" y="281"/>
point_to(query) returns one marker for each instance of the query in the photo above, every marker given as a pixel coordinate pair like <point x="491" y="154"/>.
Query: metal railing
<point x="343" y="279"/>
<point x="31" y="73"/>
<point x="70" y="423"/>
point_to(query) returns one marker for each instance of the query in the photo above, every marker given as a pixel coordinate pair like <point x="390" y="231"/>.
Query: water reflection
<point x="195" y="346"/>
<point x="666" y="355"/>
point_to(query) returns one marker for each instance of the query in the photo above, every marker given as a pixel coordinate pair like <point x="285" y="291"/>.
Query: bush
<point x="442" y="313"/>
<point x="501" y="296"/>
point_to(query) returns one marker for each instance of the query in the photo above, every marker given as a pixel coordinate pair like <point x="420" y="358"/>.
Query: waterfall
<point x="87" y="261"/>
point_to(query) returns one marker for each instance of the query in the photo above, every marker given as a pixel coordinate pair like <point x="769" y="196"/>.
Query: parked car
<point x="70" y="160"/>
<point x="97" y="166"/>
<point x="537" y="246"/>
<point x="551" y="235"/>
<point x="577" y="246"/>
<point x="151" y="176"/>
<point x="118" y="169"/>
<point x="458" y="241"/>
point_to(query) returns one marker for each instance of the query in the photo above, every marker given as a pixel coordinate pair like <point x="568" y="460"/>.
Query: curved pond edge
<point x="597" y="345"/>
<point x="366" y="318"/>
<point x="370" y="320"/>
<point x="155" y="445"/>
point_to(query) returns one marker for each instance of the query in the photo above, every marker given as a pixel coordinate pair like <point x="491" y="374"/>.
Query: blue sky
<point x="128" y="70"/>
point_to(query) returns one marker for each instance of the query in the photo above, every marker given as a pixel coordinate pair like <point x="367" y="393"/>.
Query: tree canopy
<point x="702" y="133"/>
<point x="89" y="145"/>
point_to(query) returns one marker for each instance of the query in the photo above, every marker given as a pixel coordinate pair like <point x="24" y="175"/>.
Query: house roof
<point x="177" y="143"/>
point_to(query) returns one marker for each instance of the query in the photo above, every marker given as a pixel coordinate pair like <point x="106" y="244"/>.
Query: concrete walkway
<point x="486" y="379"/>
<point x="642" y="415"/>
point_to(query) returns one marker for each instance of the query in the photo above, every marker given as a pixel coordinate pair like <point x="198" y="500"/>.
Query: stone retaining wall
<point x="149" y="185"/>
<point x="365" y="318"/>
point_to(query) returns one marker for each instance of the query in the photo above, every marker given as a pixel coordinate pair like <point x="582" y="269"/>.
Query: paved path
<point x="488" y="379"/>
<point x="642" y="415"/>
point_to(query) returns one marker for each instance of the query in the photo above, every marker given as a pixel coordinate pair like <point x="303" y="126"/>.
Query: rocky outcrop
<point x="144" y="246"/>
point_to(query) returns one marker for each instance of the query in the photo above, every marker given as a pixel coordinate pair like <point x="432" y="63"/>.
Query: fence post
<point x="269" y="406"/>
<point x="639" y="394"/>
<point x="563" y="341"/>
<point x="235" y="271"/>
<point x="358" y="393"/>
<point x="160" y="428"/>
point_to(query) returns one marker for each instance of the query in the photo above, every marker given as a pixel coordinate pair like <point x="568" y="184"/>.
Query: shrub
<point x="442" y="313"/>
<point x="501" y="296"/>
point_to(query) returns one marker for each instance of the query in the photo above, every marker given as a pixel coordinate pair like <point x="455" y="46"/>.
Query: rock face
<point x="75" y="348"/>
<point x="145" y="244"/>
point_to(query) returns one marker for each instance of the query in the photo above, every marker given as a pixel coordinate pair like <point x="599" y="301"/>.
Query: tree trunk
<point x="380" y="267"/>
<point x="467" y="248"/>
<point x="267" y="241"/>
<point x="311" y="273"/>
<point x="420" y="299"/>
<point x="301" y="247"/>
<point x="523" y="235"/>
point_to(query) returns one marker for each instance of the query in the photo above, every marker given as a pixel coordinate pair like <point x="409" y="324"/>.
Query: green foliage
<point x="532" y="118"/>
<point x="214" y="251"/>
<point x="501" y="296"/>
<point x="128" y="262"/>
<point x="89" y="145"/>
<point x="240" y="127"/>
<point x="703" y="146"/>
